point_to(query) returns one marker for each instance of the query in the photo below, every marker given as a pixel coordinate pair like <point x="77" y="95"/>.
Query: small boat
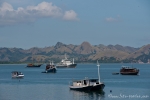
<point x="88" y="84"/>
<point x="17" y="74"/>
<point x="125" y="70"/>
<point x="50" y="68"/>
<point x="65" y="63"/>
<point x="34" y="65"/>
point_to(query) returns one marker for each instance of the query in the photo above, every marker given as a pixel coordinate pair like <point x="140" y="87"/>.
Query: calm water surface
<point x="41" y="86"/>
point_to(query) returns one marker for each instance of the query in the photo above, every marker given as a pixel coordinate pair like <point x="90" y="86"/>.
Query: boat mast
<point x="98" y="71"/>
<point x="73" y="61"/>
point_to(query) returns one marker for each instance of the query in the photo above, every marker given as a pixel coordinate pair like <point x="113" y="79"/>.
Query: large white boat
<point x="65" y="63"/>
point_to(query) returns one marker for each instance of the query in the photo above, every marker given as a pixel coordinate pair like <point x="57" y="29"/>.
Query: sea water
<point x="55" y="86"/>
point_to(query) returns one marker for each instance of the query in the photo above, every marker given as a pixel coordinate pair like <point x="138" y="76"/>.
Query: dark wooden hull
<point x="98" y="87"/>
<point x="34" y="65"/>
<point x="129" y="73"/>
<point x="52" y="70"/>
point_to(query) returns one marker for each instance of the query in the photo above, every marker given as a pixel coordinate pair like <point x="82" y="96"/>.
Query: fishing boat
<point x="66" y="63"/>
<point x="50" y="68"/>
<point x="33" y="64"/>
<point x="88" y="84"/>
<point x="125" y="70"/>
<point x="17" y="74"/>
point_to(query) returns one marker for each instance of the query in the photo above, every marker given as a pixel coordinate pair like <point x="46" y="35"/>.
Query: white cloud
<point x="70" y="15"/>
<point x="110" y="19"/>
<point x="10" y="16"/>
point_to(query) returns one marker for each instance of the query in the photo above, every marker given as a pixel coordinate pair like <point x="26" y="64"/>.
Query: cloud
<point x="10" y="16"/>
<point x="110" y="19"/>
<point x="70" y="15"/>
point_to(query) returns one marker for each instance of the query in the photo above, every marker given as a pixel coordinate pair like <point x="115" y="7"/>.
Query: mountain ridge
<point x="85" y="52"/>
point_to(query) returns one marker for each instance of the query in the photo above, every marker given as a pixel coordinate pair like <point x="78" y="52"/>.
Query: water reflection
<point x="88" y="95"/>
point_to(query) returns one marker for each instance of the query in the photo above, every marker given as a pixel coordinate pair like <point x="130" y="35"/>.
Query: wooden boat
<point x="34" y="65"/>
<point x="125" y="70"/>
<point x="88" y="84"/>
<point x="17" y="74"/>
<point x="50" y="68"/>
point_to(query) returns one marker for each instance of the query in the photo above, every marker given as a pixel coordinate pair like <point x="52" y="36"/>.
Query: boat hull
<point x="66" y="66"/>
<point x="129" y="73"/>
<point x="61" y="66"/>
<point x="97" y="87"/>
<point x="34" y="65"/>
<point x="53" y="70"/>
<point x="81" y="88"/>
<point x="72" y="66"/>
<point x="19" y="76"/>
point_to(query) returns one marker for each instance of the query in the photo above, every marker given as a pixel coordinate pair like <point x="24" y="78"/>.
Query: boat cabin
<point x="80" y="83"/>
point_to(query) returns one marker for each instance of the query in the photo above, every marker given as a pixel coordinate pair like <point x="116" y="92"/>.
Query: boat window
<point x="85" y="82"/>
<point x="93" y="80"/>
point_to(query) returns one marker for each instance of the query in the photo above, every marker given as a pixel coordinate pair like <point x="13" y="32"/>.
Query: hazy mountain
<point x="85" y="52"/>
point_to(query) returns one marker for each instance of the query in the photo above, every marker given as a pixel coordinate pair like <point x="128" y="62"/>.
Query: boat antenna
<point x="98" y="71"/>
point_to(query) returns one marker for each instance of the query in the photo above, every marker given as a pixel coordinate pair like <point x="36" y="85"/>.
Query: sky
<point x="37" y="23"/>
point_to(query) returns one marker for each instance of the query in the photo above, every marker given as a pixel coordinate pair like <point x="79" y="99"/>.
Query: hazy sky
<point x="38" y="23"/>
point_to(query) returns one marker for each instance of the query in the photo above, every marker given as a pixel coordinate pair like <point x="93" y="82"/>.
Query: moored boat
<point x="50" y="68"/>
<point x="88" y="84"/>
<point x="17" y="74"/>
<point x="125" y="70"/>
<point x="65" y="63"/>
<point x="33" y="65"/>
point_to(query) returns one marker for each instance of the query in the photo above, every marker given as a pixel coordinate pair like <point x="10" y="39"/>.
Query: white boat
<point x="17" y="74"/>
<point x="88" y="84"/>
<point x="81" y="85"/>
<point x="65" y="63"/>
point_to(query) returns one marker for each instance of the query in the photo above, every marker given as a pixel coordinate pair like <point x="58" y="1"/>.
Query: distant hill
<point x="85" y="52"/>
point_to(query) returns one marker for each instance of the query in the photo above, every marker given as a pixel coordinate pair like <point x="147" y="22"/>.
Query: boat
<point x="125" y="70"/>
<point x="17" y="74"/>
<point x="65" y="63"/>
<point x="50" y="68"/>
<point x="33" y="64"/>
<point x="88" y="84"/>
